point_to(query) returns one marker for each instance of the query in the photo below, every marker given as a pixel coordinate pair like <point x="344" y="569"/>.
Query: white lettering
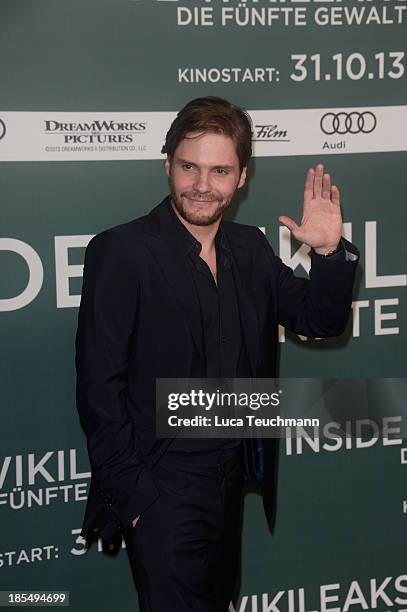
<point x="36" y="274"/>
<point x="64" y="271"/>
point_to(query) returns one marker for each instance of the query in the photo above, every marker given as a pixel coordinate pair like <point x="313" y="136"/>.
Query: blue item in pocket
<point x="253" y="457"/>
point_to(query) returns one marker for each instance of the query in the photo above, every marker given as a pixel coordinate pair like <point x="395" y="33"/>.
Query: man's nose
<point x="202" y="182"/>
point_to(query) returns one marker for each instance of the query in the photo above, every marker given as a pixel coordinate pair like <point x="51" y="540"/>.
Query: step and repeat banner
<point x="88" y="91"/>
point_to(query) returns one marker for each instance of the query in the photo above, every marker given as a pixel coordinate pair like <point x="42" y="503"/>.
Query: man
<point x="179" y="293"/>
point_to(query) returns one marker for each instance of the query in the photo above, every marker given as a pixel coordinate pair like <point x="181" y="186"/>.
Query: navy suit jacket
<point x="139" y="320"/>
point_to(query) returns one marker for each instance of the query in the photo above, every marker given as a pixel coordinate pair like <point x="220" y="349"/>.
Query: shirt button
<point x="224" y="339"/>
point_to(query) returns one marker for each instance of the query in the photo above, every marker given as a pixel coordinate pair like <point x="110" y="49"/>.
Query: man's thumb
<point x="288" y="222"/>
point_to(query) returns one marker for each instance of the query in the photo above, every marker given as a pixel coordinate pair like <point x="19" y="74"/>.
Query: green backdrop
<point x="340" y="534"/>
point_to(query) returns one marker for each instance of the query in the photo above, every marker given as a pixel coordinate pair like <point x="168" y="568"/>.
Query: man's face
<point x="204" y="174"/>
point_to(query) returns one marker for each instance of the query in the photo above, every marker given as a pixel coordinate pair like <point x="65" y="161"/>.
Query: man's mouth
<point x="200" y="200"/>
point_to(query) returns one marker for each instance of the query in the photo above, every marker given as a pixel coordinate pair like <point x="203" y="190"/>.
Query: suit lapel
<point x="242" y="273"/>
<point x="166" y="249"/>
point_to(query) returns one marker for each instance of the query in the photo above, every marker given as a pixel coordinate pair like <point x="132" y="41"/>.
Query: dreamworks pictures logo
<point x="97" y="131"/>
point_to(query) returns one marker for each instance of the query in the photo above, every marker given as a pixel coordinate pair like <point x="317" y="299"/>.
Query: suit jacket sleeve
<point x="317" y="307"/>
<point x="106" y="322"/>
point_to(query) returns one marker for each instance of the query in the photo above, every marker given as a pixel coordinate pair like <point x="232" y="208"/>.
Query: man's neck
<point x="205" y="234"/>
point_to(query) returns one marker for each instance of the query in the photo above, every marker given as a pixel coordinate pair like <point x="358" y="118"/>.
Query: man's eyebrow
<point x="179" y="160"/>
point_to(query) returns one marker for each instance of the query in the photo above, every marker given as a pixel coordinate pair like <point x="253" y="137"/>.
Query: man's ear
<point x="242" y="178"/>
<point x="168" y="167"/>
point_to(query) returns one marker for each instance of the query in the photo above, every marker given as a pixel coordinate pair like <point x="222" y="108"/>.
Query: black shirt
<point x="222" y="340"/>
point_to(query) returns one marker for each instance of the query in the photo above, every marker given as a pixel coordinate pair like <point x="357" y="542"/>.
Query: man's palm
<point x="321" y="223"/>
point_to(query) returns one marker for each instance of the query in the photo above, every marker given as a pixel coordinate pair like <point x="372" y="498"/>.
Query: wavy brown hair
<point x="216" y="115"/>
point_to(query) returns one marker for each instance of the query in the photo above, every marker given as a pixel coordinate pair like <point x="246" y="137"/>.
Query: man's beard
<point x="199" y="217"/>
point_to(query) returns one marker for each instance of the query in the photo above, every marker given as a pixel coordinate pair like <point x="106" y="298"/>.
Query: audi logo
<point x="348" y="123"/>
<point x="2" y="129"/>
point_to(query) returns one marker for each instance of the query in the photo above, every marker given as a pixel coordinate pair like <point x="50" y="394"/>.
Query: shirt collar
<point x="191" y="244"/>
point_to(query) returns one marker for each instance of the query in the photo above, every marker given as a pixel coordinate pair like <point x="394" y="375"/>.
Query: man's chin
<point x="201" y="219"/>
<point x="200" y="213"/>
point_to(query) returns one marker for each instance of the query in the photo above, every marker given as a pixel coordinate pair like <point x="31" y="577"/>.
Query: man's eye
<point x="187" y="166"/>
<point x="221" y="171"/>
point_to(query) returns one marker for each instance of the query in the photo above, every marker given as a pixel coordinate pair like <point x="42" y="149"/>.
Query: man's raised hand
<point x="321" y="223"/>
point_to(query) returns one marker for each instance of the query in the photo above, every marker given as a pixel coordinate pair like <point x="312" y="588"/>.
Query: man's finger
<point x="319" y="171"/>
<point x="335" y="195"/>
<point x="326" y="187"/>
<point x="309" y="184"/>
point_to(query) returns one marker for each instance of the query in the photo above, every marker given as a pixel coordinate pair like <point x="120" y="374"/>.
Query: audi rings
<point x="348" y="123"/>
